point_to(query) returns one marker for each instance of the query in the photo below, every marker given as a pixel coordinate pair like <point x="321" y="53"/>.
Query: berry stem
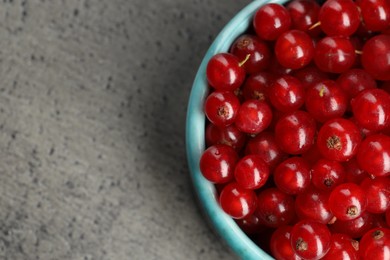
<point x="315" y="25"/>
<point x="245" y="60"/>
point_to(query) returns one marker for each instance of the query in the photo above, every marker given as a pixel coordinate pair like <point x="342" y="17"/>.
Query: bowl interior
<point x="225" y="226"/>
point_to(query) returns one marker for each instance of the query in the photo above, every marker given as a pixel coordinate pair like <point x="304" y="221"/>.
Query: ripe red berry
<point x="217" y="163"/>
<point x="304" y="14"/>
<point x="347" y="201"/>
<point x="253" y="116"/>
<point x="377" y="149"/>
<point x="334" y="54"/>
<point x="258" y="50"/>
<point x="355" y="81"/>
<point x="343" y="246"/>
<point x="251" y="172"/>
<point x="371" y="109"/>
<point x="338" y="139"/>
<point x="264" y="145"/>
<point x="294" y="49"/>
<point x="378" y="47"/>
<point x="355" y="228"/>
<point x="375" y="244"/>
<point x="229" y="135"/>
<point x="378" y="194"/>
<point x="275" y="208"/>
<point x="280" y="244"/>
<point x="325" y="100"/>
<point x="271" y="20"/>
<point x="327" y="174"/>
<point x="339" y="17"/>
<point x="295" y="132"/>
<point x="310" y="239"/>
<point x="221" y="108"/>
<point x="313" y="204"/>
<point x="287" y="94"/>
<point x="292" y="176"/>
<point x="375" y="14"/>
<point x="257" y="86"/>
<point x="237" y="201"/>
<point x="224" y="72"/>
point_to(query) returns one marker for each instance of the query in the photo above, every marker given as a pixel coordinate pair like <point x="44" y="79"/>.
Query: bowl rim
<point x="225" y="226"/>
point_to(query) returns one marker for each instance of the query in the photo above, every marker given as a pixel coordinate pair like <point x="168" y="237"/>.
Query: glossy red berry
<point x="375" y="14"/>
<point x="253" y="116"/>
<point x="338" y="139"/>
<point x="224" y="72"/>
<point x="237" y="201"/>
<point x="327" y="174"/>
<point x="354" y="81"/>
<point x="229" y="135"/>
<point x="375" y="244"/>
<point x="347" y="201"/>
<point x="353" y="171"/>
<point x="313" y="204"/>
<point x="371" y="109"/>
<point x="334" y="54"/>
<point x="304" y="14"/>
<point x="275" y="208"/>
<point x="292" y="176"/>
<point x="251" y="172"/>
<point x="355" y="228"/>
<point x="287" y="94"/>
<point x="257" y="86"/>
<point x="378" y="194"/>
<point x="310" y="239"/>
<point x="264" y="145"/>
<point x="339" y="17"/>
<point x="258" y="50"/>
<point x="217" y="163"/>
<point x="271" y="20"/>
<point x="280" y="244"/>
<point x="378" y="47"/>
<point x="294" y="49"/>
<point x="377" y="149"/>
<point x="295" y="132"/>
<point x="342" y="247"/>
<point x="221" y="108"/>
<point x="325" y="100"/>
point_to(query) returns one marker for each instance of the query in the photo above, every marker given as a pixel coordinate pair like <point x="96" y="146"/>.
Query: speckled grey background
<point x="92" y="110"/>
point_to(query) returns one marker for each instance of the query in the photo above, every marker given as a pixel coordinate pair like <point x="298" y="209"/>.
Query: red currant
<point x="294" y="49"/>
<point x="339" y="17"/>
<point x="377" y="149"/>
<point x="281" y="246"/>
<point x="310" y="239"/>
<point x="292" y="176"/>
<point x="347" y="201"/>
<point x="304" y="14"/>
<point x="237" y="201"/>
<point x="378" y="47"/>
<point x="327" y="174"/>
<point x="325" y="100"/>
<point x="217" y="163"/>
<point x="375" y="14"/>
<point x="221" y="108"/>
<point x="271" y="20"/>
<point x="251" y="172"/>
<point x="224" y="72"/>
<point x="275" y="208"/>
<point x="253" y="116"/>
<point x="229" y="135"/>
<point x="258" y="50"/>
<point x="287" y="94"/>
<point x="342" y="246"/>
<point x="257" y="86"/>
<point x="375" y="244"/>
<point x="295" y="132"/>
<point x="338" y="139"/>
<point x="378" y="194"/>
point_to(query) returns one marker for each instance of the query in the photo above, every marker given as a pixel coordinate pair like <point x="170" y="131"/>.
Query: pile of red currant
<point x="298" y="129"/>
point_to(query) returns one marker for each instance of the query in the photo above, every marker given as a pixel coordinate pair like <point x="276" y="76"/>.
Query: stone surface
<point x="93" y="99"/>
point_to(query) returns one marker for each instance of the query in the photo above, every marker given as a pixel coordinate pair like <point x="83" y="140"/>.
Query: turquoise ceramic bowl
<point x="225" y="226"/>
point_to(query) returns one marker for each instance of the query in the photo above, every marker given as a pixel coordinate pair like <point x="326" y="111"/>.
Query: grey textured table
<point x="93" y="100"/>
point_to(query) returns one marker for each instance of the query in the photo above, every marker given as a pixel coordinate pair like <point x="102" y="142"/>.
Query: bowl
<point x="223" y="224"/>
